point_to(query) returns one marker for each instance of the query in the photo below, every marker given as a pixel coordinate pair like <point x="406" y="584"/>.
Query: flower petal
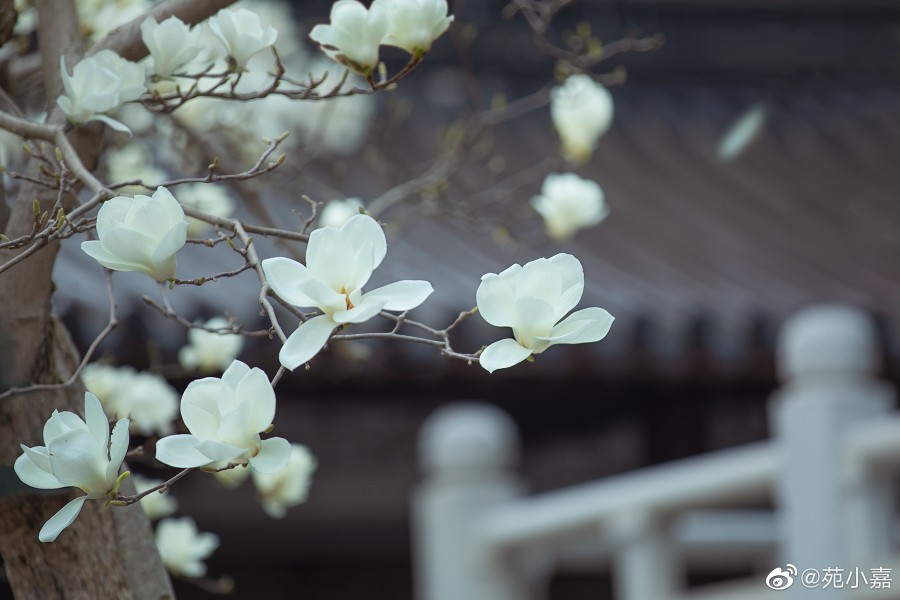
<point x="363" y="227"/>
<point x="285" y="276"/>
<point x="62" y="519"/>
<point x="200" y="406"/>
<point x="61" y="422"/>
<point x="403" y="295"/>
<point x="218" y="451"/>
<point x="31" y="473"/>
<point x="582" y="327"/>
<point x="309" y="338"/>
<point x="496" y="295"/>
<point x="368" y="307"/>
<point x="234" y="373"/>
<point x="95" y="419"/>
<point x="95" y="249"/>
<point x="503" y="354"/>
<point x="273" y="455"/>
<point x="256" y="391"/>
<point x="117" y="448"/>
<point x="76" y="459"/>
<point x="180" y="451"/>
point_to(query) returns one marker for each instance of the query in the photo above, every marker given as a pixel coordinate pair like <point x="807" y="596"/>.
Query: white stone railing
<point x="829" y="470"/>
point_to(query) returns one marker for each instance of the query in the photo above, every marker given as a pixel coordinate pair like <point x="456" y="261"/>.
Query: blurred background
<point x="700" y="260"/>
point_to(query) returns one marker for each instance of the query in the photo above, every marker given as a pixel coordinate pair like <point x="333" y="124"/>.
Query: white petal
<point x="61" y="422"/>
<point x="200" y="406"/>
<point x="31" y="474"/>
<point x="76" y="459"/>
<point x="582" y="327"/>
<point x="62" y="519"/>
<point x="117" y="449"/>
<point x="496" y="296"/>
<point x="306" y="341"/>
<point x="117" y="125"/>
<point x="273" y="455"/>
<point x="218" y="451"/>
<point x="368" y="307"/>
<point x="95" y="249"/>
<point x="285" y="276"/>
<point x="503" y="354"/>
<point x="362" y="228"/>
<point x="403" y="295"/>
<point x="234" y="373"/>
<point x="257" y="392"/>
<point x="180" y="451"/>
<point x="95" y="419"/>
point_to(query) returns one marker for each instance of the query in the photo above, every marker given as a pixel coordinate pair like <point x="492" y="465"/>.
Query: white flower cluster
<point x="210" y="351"/>
<point x="568" y="204"/>
<point x="145" y="399"/>
<point x="582" y="111"/>
<point x="355" y="33"/>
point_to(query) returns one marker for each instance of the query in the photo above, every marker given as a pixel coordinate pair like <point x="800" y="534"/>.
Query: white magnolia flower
<point x="582" y="111"/>
<point x="150" y="403"/>
<point x="353" y="35"/>
<point x="339" y="262"/>
<point x="207" y="197"/>
<point x="99" y="84"/>
<point x="132" y="161"/>
<point x="77" y="453"/>
<point x="182" y="548"/>
<point x="108" y="383"/>
<point x="99" y="17"/>
<point x="139" y="234"/>
<point x="172" y="44"/>
<point x="225" y="417"/>
<point x="532" y="300"/>
<point x="208" y="351"/>
<point x="242" y="34"/>
<point x="336" y="212"/>
<point x="415" y="24"/>
<point x="289" y="486"/>
<point x="156" y="505"/>
<point x="569" y="203"/>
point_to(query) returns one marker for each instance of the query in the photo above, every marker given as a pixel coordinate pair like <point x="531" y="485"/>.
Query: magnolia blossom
<point x="150" y="403"/>
<point x="415" y="24"/>
<point x="339" y="262"/>
<point x="742" y="133"/>
<point x="289" y="486"/>
<point x="242" y="33"/>
<point x="132" y="161"/>
<point x="99" y="17"/>
<point x="76" y="452"/>
<point x="336" y="212"/>
<point x="569" y="203"/>
<point x="582" y="111"/>
<point x="172" y="44"/>
<point x="156" y="505"/>
<point x="98" y="84"/>
<point x="208" y="351"/>
<point x="532" y="300"/>
<point x="354" y="34"/>
<point x="207" y="197"/>
<point x="225" y="417"/>
<point x="182" y="548"/>
<point x="108" y="383"/>
<point x="139" y="234"/>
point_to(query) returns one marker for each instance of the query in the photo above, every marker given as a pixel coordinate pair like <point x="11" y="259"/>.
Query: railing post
<point x="467" y="453"/>
<point x="827" y="359"/>
<point x="644" y="565"/>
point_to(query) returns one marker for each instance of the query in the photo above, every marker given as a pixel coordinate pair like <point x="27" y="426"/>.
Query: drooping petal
<point x="257" y="392"/>
<point x="117" y="125"/>
<point x="273" y="455"/>
<point x="503" y="354"/>
<point x="95" y="419"/>
<point x="95" y="249"/>
<point x="309" y="338"/>
<point x="180" y="451"/>
<point x="582" y="327"/>
<point x="117" y="449"/>
<point x="285" y="276"/>
<point x="32" y="474"/>
<point x="403" y="295"/>
<point x="62" y="519"/>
